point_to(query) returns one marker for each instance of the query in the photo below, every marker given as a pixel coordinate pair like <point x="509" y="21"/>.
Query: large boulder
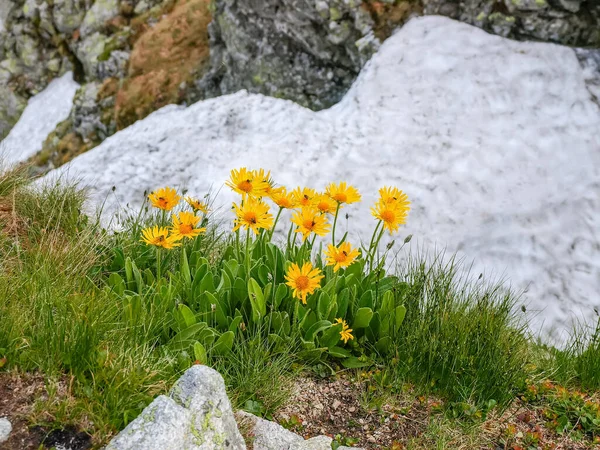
<point x="306" y="51"/>
<point x="197" y="415"/>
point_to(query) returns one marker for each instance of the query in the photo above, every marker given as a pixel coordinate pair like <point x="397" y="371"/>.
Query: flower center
<point x="250" y="217"/>
<point x="162" y="202"/>
<point x="309" y="224"/>
<point x="185" y="228"/>
<point x="341" y="256"/>
<point x="302" y="282"/>
<point x="388" y="216"/>
<point x="340" y="197"/>
<point x="245" y="186"/>
<point x="323" y="206"/>
<point x="160" y="239"/>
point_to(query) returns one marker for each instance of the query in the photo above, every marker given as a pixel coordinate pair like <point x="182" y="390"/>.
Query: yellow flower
<point x="391" y="215"/>
<point x="165" y="198"/>
<point x="304" y="196"/>
<point x="184" y="225"/>
<point x="346" y="333"/>
<point x="309" y="220"/>
<point x="303" y="280"/>
<point x="393" y="195"/>
<point x="245" y="182"/>
<point x="261" y="175"/>
<point x="197" y="205"/>
<point x="282" y="198"/>
<point x="341" y="256"/>
<point x="325" y="204"/>
<point x="253" y="214"/>
<point x="159" y="237"/>
<point x="342" y="193"/>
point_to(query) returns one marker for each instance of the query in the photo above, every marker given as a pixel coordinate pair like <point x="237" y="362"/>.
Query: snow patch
<point x="41" y="116"/>
<point x="496" y="143"/>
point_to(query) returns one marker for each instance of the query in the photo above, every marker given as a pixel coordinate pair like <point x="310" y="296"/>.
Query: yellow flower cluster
<point x="391" y="208"/>
<point x="184" y="224"/>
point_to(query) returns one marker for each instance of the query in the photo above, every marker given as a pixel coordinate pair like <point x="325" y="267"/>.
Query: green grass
<point x="81" y="303"/>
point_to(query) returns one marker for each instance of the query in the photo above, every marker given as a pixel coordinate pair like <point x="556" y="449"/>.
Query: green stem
<point x="375" y="248"/>
<point x="337" y="210"/>
<point x="158" y="274"/>
<point x="248" y="265"/>
<point x="275" y="224"/>
<point x="370" y="251"/>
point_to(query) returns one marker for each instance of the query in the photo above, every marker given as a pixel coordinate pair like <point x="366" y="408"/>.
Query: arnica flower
<point x="197" y="205"/>
<point x="391" y="215"/>
<point x="309" y="220"/>
<point x="342" y="193"/>
<point x="261" y="175"/>
<point x="393" y="195"/>
<point x="304" y="196"/>
<point x="303" y="280"/>
<point x="282" y="198"/>
<point x="341" y="256"/>
<point x="184" y="225"/>
<point x="245" y="182"/>
<point x="252" y="215"/>
<point x="325" y="204"/>
<point x="165" y="198"/>
<point x="159" y="237"/>
<point x="346" y="333"/>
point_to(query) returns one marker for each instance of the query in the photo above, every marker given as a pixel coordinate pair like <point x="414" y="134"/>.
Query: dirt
<point x="18" y="395"/>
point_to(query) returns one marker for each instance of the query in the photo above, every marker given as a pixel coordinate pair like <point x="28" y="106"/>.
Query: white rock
<point x="201" y="390"/>
<point x="268" y="435"/>
<point x="316" y="443"/>
<point x="5" y="429"/>
<point x="163" y="425"/>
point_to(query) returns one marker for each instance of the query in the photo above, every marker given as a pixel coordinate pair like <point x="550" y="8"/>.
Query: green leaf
<point x="129" y="273"/>
<point x="224" y="344"/>
<point x="200" y="353"/>
<point x="331" y="336"/>
<point x="225" y="283"/>
<point x="362" y="318"/>
<point x="280" y="294"/>
<point x="187" y="318"/>
<point x="257" y="300"/>
<point x="400" y="314"/>
<point x="339" y="352"/>
<point x="366" y="300"/>
<point x="342" y="302"/>
<point x="312" y="355"/>
<point x="185" y="269"/>
<point x="354" y="363"/>
<point x="235" y="324"/>
<point x="323" y="307"/>
<point x="263" y="274"/>
<point x="316" y="329"/>
<point x="116" y="284"/>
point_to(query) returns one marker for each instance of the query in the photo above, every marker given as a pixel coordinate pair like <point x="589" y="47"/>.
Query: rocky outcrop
<point x="140" y="55"/>
<point x="569" y="22"/>
<point x="197" y="415"/>
<point x="306" y="51"/>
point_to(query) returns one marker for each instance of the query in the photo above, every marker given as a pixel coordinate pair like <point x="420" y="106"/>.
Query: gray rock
<point x="569" y="22"/>
<point x="11" y="107"/>
<point x="97" y="16"/>
<point x="316" y="443"/>
<point x="68" y="14"/>
<point x="306" y="51"/>
<point x="85" y="114"/>
<point x="163" y="425"/>
<point x="268" y="435"/>
<point x="201" y="390"/>
<point x="5" y="429"/>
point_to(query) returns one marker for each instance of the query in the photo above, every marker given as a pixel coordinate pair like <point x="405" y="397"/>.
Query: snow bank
<point x="496" y="142"/>
<point x="43" y="112"/>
